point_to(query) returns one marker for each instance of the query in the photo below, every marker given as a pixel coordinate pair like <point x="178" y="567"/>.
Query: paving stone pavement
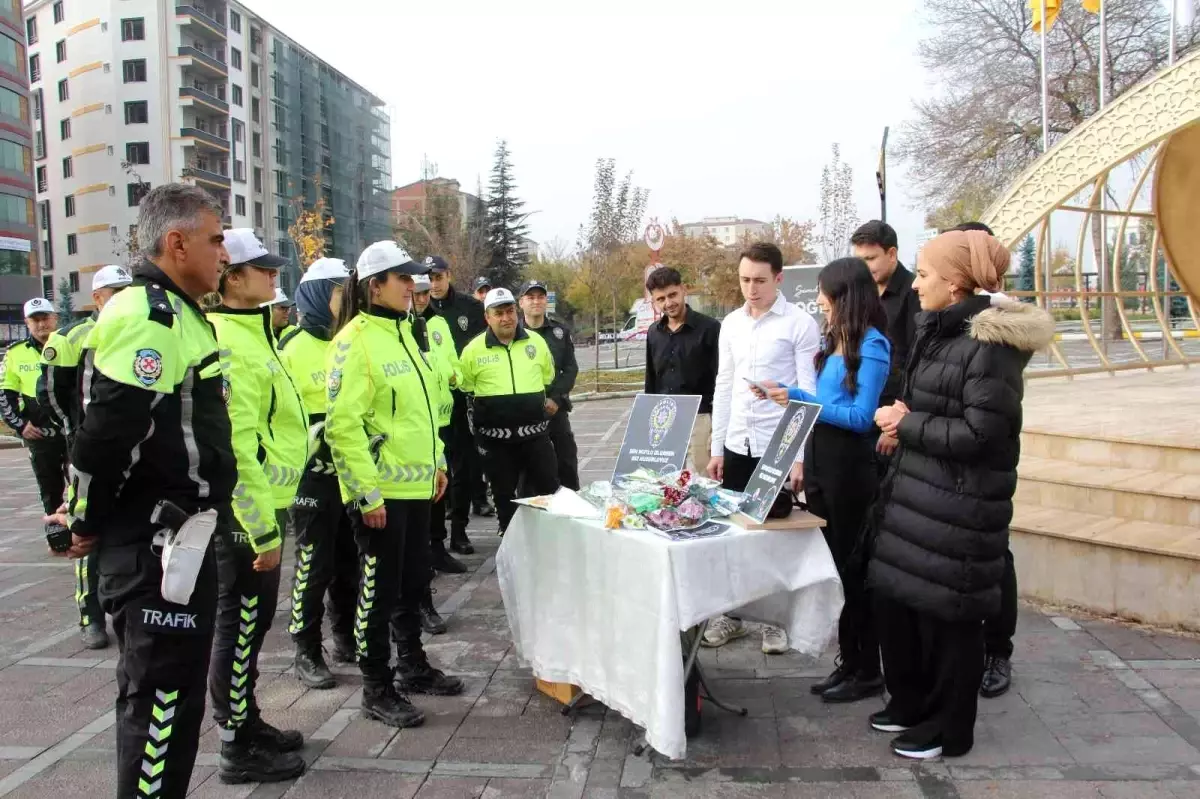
<point x="1098" y="709"/>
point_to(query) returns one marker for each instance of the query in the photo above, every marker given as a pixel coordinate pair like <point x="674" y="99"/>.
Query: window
<point x="12" y="156"/>
<point x="64" y="129"/>
<point x="68" y="167"/>
<point x="258" y="214"/>
<point x="35" y="68"/>
<point x="254" y="109"/>
<point x="48" y="280"/>
<point x="136" y="191"/>
<point x="281" y="186"/>
<point x="239" y="130"/>
<point x="258" y="180"/>
<point x="235" y="58"/>
<point x="133" y="30"/>
<point x="44" y="216"/>
<point x="39" y="145"/>
<point x="254" y="75"/>
<point x="236" y="95"/>
<point x="239" y="205"/>
<point x="31" y="30"/>
<point x="59" y="16"/>
<point x="72" y="247"/>
<point x="137" y="112"/>
<point x="64" y="92"/>
<point x="60" y="50"/>
<point x="239" y="171"/>
<point x="235" y="22"/>
<point x="14" y="209"/>
<point x="69" y="204"/>
<point x="137" y="152"/>
<point x="12" y="104"/>
<point x="43" y="183"/>
<point x="256" y="144"/>
<point x="73" y="280"/>
<point x="37" y="105"/>
<point x="134" y="70"/>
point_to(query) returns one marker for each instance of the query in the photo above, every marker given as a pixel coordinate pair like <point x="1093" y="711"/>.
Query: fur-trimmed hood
<point x="1021" y="325"/>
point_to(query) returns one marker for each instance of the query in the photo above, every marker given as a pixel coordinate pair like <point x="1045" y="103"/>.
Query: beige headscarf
<point x="970" y="259"/>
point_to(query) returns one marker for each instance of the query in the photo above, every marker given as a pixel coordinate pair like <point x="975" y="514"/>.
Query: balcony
<point x="202" y="102"/>
<point x="209" y="179"/>
<point x="205" y="63"/>
<point x="200" y="23"/>
<point x="204" y="138"/>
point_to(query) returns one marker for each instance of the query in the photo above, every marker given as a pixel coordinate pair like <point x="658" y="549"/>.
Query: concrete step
<point x="1099" y="529"/>
<point x="1111" y="451"/>
<point x="1146" y="495"/>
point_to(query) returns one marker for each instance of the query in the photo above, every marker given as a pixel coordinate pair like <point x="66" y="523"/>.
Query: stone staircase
<point x="1110" y="524"/>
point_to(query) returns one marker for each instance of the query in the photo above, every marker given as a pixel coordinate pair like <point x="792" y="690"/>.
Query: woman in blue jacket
<point x="839" y="479"/>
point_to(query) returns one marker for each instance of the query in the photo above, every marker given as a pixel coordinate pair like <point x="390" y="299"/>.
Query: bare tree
<point x="839" y="216"/>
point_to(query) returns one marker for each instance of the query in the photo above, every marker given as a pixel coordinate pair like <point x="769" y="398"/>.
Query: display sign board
<point x="800" y="288"/>
<point x="776" y="462"/>
<point x="657" y="436"/>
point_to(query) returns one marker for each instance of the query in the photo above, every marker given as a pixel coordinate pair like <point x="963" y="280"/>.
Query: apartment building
<point x="18" y="260"/>
<point x="728" y="230"/>
<point x="130" y="94"/>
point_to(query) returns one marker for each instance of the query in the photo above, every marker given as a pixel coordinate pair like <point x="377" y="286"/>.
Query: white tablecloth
<point x="603" y="609"/>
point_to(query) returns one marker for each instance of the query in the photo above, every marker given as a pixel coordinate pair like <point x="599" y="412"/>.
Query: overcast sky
<point x="720" y="108"/>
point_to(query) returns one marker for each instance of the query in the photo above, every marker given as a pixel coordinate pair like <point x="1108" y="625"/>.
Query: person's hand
<point x="887" y="444"/>
<point x="81" y="547"/>
<point x="376" y="519"/>
<point x="888" y="418"/>
<point x="757" y="392"/>
<point x="551" y="406"/>
<point x="716" y="467"/>
<point x="269" y="560"/>
<point x="442" y="482"/>
<point x="31" y="433"/>
<point x="796" y="478"/>
<point x="453" y="381"/>
<point x="779" y="396"/>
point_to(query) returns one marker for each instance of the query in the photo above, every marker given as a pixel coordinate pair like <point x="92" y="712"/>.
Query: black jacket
<point x="947" y="500"/>
<point x="901" y="305"/>
<point x="566" y="368"/>
<point x="463" y="313"/>
<point x="686" y="361"/>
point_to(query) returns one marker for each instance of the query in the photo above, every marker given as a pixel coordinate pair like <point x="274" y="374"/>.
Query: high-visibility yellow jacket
<point x="381" y="411"/>
<point x="303" y="352"/>
<point x="445" y="358"/>
<point x="509" y="384"/>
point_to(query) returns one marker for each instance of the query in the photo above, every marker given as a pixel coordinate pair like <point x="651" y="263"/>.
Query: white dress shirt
<point x="780" y="345"/>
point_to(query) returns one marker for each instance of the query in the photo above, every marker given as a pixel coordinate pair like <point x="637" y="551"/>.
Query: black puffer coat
<point x="947" y="502"/>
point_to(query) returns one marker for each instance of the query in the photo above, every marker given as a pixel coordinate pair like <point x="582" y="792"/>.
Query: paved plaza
<point x="1098" y="709"/>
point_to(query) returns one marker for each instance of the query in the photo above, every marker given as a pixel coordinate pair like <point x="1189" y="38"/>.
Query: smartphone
<point x="756" y="384"/>
<point x="58" y="537"/>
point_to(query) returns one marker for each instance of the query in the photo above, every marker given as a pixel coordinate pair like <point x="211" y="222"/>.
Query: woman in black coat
<point x="947" y="501"/>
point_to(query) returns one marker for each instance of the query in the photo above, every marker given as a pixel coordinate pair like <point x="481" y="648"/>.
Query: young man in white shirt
<point x="768" y="338"/>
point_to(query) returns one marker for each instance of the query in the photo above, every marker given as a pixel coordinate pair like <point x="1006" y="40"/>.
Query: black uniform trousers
<point x="394" y="574"/>
<point x="933" y="669"/>
<point x="245" y="611"/>
<point x="437" y="511"/>
<point x="528" y="464"/>
<point x="998" y="631"/>
<point x="839" y="486"/>
<point x="566" y="451"/>
<point x="466" y="478"/>
<point x="326" y="576"/>
<point x="162" y="668"/>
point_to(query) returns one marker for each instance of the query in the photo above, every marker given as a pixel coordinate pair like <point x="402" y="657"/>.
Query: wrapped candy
<point x="615" y="513"/>
<point x="664" y="518"/>
<point x="644" y="503"/>
<point x="634" y="521"/>
<point x="692" y="512"/>
<point x="598" y="493"/>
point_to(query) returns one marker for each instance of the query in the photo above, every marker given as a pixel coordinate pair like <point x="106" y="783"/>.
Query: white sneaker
<point x="775" y="641"/>
<point x="722" y="631"/>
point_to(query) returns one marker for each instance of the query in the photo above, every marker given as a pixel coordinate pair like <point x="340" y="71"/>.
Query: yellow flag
<point x="1091" y="6"/>
<point x="1051" y="13"/>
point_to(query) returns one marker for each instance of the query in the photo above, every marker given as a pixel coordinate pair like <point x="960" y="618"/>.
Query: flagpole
<point x="1045" y="148"/>
<point x="1174" y="18"/>
<point x="1154" y="258"/>
<point x="1105" y="304"/>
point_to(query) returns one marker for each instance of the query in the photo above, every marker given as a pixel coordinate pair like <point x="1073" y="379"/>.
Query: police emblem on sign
<point x="531" y="351"/>
<point x="147" y="366"/>
<point x="335" y="383"/>
<point x="437" y="338"/>
<point x="226" y="389"/>
<point x="462" y="323"/>
<point x="558" y="332"/>
<point x="50" y="353"/>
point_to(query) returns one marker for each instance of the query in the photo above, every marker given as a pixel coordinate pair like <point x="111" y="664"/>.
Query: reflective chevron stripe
<point x="523" y="431"/>
<point x="239" y="683"/>
<point x="154" y="754"/>
<point x="366" y="601"/>
<point x="319" y="466"/>
<point x="300" y="586"/>
<point x="81" y="591"/>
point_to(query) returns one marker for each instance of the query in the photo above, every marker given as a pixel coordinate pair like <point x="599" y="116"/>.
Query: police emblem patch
<point x="437" y="338"/>
<point x="335" y="383"/>
<point x="147" y="366"/>
<point x="558" y="332"/>
<point x="462" y="323"/>
<point x="531" y="351"/>
<point x="50" y="353"/>
<point x="226" y="389"/>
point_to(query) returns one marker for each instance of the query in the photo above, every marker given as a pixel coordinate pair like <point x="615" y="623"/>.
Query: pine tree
<point x="66" y="302"/>
<point x="505" y="224"/>
<point x="1025" y="276"/>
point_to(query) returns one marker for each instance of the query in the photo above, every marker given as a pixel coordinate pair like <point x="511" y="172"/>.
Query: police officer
<point x="281" y="314"/>
<point x="464" y="316"/>
<point x="155" y="428"/>
<point x="25" y="415"/>
<point x="558" y="399"/>
<point x="507" y="369"/>
<point x="58" y="391"/>
<point x="381" y="425"/>
<point x="326" y="556"/>
<point x="483" y="284"/>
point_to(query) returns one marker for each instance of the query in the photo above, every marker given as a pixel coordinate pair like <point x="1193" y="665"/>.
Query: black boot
<point x="442" y="561"/>
<point x="840" y="675"/>
<point x="94" y="636"/>
<point x="270" y="737"/>
<point x="460" y="543"/>
<point x="343" y="648"/>
<point x="854" y="688"/>
<point x="252" y="762"/>
<point x="311" y="669"/>
<point x="484" y="509"/>
<point x="415" y="675"/>
<point x="385" y="704"/>
<point x="997" y="677"/>
<point x="431" y="621"/>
